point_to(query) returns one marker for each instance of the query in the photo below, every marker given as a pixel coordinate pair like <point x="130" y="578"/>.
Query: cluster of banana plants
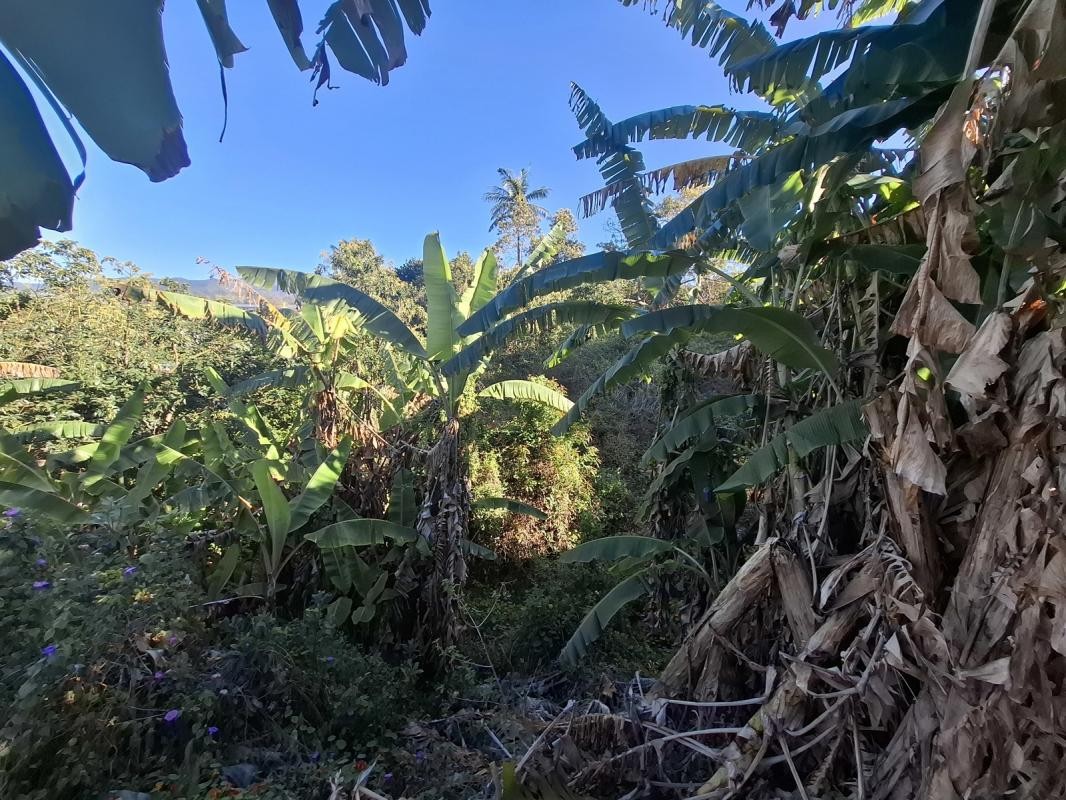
<point x="406" y="431"/>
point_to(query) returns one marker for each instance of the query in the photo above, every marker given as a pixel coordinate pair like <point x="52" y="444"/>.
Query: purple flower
<point x="212" y="730"/>
<point x="159" y="675"/>
<point x="42" y="562"/>
<point x="172" y="640"/>
<point x="172" y="715"/>
<point x="40" y="586"/>
<point x="420" y="756"/>
<point x="12" y="512"/>
<point x="329" y="659"/>
<point x="48" y="650"/>
<point x="129" y="571"/>
<point x="388" y="777"/>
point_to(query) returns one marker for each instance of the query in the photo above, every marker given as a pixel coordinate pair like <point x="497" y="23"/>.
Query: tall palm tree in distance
<point x="514" y="213"/>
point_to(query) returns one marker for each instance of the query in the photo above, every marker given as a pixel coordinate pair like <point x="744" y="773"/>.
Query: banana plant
<point x="642" y="560"/>
<point x="440" y="368"/>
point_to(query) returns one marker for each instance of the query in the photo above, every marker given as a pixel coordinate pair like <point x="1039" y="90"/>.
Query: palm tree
<point x="514" y="214"/>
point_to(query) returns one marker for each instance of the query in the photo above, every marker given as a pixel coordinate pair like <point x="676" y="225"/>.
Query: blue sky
<point x="485" y="86"/>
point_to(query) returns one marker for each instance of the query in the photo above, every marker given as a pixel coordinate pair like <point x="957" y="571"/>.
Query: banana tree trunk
<point x="443" y="523"/>
<point x="327" y="412"/>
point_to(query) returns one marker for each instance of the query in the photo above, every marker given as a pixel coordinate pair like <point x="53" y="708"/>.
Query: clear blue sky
<point x="485" y="86"/>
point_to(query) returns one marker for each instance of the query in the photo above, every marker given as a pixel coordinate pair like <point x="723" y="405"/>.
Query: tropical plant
<point x="125" y="102"/>
<point x="921" y="286"/>
<point x="433" y="376"/>
<point x="515" y="213"/>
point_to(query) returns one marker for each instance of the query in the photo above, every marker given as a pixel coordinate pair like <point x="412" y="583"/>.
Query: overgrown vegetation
<point x="790" y="444"/>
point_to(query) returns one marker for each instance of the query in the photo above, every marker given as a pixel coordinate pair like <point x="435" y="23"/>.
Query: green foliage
<point x="528" y="619"/>
<point x="108" y="67"/>
<point x="513" y="455"/>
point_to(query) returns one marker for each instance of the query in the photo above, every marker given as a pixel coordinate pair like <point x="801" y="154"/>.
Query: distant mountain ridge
<point x="212" y="289"/>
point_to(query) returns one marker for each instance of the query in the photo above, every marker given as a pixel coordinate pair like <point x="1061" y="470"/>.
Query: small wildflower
<point x="329" y="659"/>
<point x="212" y="730"/>
<point x="42" y="562"/>
<point x="40" y="586"/>
<point x="159" y="675"/>
<point x="129" y="571"/>
<point x="12" y="512"/>
<point x="360" y="765"/>
<point x="172" y="640"/>
<point x="388" y="777"/>
<point x="172" y="715"/>
<point x="49" y="650"/>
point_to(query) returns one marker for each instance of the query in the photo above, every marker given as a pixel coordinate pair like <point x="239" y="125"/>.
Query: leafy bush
<point x="117" y="672"/>
<point x="513" y="454"/>
<point x="525" y="622"/>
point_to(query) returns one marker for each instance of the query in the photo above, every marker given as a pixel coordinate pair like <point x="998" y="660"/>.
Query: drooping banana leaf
<point x="596" y="268"/>
<point x="838" y="424"/>
<point x="34" y="501"/>
<point x="59" y="429"/>
<point x="192" y="307"/>
<point x="287" y="378"/>
<point x="706" y="24"/>
<point x="541" y="318"/>
<point x="507" y="504"/>
<point x="318" y="289"/>
<point x="592" y="626"/>
<point x="226" y="43"/>
<point x="35" y="190"/>
<point x="699" y="424"/>
<point x="473" y="549"/>
<point x="10" y="391"/>
<point x="361" y="533"/>
<point x="106" y="63"/>
<point x="784" y="335"/>
<point x="615" y="548"/>
<point x="633" y="364"/>
<point x="319" y="486"/>
<point x="527" y="390"/>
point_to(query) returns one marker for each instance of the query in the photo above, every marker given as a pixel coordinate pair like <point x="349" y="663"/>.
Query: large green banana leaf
<point x="699" y="424"/>
<point x="835" y="425"/>
<point x="20" y="389"/>
<point x="595" y="268"/>
<point x="746" y="130"/>
<point x="509" y="505"/>
<point x="633" y="364"/>
<point x="35" y="190"/>
<point x="527" y="390"/>
<point x="784" y="335"/>
<point x="361" y="533"/>
<point x="105" y="63"/>
<point x="541" y="318"/>
<point x="482" y="287"/>
<point x="442" y="305"/>
<point x="615" y="548"/>
<point x="319" y="487"/>
<point x="722" y="33"/>
<point x="592" y="626"/>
